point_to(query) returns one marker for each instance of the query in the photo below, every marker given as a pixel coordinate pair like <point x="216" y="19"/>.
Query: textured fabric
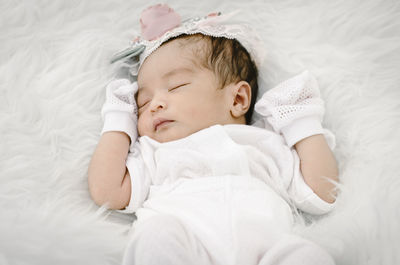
<point x="294" y="108"/>
<point x="119" y="112"/>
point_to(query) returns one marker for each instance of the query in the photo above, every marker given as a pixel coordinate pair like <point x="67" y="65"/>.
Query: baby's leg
<point x="292" y="249"/>
<point x="163" y="240"/>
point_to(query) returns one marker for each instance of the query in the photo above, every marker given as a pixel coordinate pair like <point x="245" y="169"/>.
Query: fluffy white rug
<point x="53" y="70"/>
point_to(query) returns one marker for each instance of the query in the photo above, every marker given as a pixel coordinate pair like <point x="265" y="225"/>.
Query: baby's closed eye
<point x="142" y="99"/>
<point x="177" y="86"/>
<point x="141" y="105"/>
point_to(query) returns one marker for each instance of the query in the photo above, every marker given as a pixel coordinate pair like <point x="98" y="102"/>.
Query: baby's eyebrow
<point x="178" y="70"/>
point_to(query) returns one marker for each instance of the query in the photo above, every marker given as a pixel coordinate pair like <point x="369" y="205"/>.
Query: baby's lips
<point x="158" y="19"/>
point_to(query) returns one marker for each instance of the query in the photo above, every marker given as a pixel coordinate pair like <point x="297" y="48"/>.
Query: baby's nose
<point x="157" y="104"/>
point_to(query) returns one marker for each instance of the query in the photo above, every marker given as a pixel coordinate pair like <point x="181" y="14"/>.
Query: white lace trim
<point x="210" y="26"/>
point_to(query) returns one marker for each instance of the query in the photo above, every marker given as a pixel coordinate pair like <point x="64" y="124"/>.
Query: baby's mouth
<point x="161" y="123"/>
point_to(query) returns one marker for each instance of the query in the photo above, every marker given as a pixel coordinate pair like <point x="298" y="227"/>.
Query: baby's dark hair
<point x="230" y="62"/>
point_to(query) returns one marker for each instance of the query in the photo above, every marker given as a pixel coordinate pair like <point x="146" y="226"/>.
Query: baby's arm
<point x="317" y="162"/>
<point x="295" y="110"/>
<point x="109" y="180"/>
<point x="108" y="177"/>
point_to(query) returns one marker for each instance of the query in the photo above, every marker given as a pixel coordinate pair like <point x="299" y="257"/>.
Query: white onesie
<point x="230" y="186"/>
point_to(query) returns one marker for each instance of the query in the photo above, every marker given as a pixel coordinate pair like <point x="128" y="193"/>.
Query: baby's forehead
<point x="196" y="48"/>
<point x="192" y="54"/>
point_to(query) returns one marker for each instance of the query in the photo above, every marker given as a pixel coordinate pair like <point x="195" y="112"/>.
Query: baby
<point x="207" y="187"/>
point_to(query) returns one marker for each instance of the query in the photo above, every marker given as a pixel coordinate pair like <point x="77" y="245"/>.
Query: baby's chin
<point x="166" y="139"/>
<point x="176" y="130"/>
<point x="173" y="132"/>
<point x="168" y="136"/>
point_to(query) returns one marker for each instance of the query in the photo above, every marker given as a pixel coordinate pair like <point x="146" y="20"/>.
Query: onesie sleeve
<point x="291" y="178"/>
<point x="302" y="195"/>
<point x="140" y="178"/>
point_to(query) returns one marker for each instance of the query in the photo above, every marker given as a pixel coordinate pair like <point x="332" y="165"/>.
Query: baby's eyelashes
<point x="175" y="87"/>
<point x="142" y="99"/>
<point x="142" y="106"/>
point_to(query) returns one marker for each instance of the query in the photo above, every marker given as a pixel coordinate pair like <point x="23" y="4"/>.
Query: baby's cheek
<point x="196" y="111"/>
<point x="142" y="130"/>
<point x="204" y="112"/>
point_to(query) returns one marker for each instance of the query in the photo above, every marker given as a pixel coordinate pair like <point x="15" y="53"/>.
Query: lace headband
<point x="160" y="23"/>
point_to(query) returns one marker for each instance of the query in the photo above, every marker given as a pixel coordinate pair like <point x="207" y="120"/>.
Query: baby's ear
<point x="241" y="93"/>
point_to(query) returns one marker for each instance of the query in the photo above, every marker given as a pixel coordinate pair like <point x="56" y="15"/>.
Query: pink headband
<point x="160" y="23"/>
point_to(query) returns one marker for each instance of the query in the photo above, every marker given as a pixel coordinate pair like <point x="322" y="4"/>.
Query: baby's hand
<point x="294" y="108"/>
<point x="119" y="111"/>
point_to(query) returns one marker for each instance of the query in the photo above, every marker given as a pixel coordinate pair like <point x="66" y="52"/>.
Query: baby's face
<point x="176" y="97"/>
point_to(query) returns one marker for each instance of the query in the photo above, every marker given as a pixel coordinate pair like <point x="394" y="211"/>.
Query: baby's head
<point x="192" y="82"/>
<point x="192" y="74"/>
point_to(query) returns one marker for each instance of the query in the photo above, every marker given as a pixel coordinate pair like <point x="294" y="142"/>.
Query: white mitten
<point x="294" y="108"/>
<point x="119" y="111"/>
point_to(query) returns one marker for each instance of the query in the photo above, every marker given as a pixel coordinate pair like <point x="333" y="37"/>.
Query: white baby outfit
<point x="222" y="184"/>
<point x="225" y="195"/>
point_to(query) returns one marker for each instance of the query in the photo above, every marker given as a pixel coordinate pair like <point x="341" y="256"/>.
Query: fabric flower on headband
<point x="160" y="23"/>
<point x="154" y="22"/>
<point x="158" y="19"/>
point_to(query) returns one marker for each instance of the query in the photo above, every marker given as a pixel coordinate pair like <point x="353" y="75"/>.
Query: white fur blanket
<point x="53" y="69"/>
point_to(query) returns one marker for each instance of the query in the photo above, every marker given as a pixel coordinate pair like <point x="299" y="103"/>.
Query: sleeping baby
<point x="177" y="148"/>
